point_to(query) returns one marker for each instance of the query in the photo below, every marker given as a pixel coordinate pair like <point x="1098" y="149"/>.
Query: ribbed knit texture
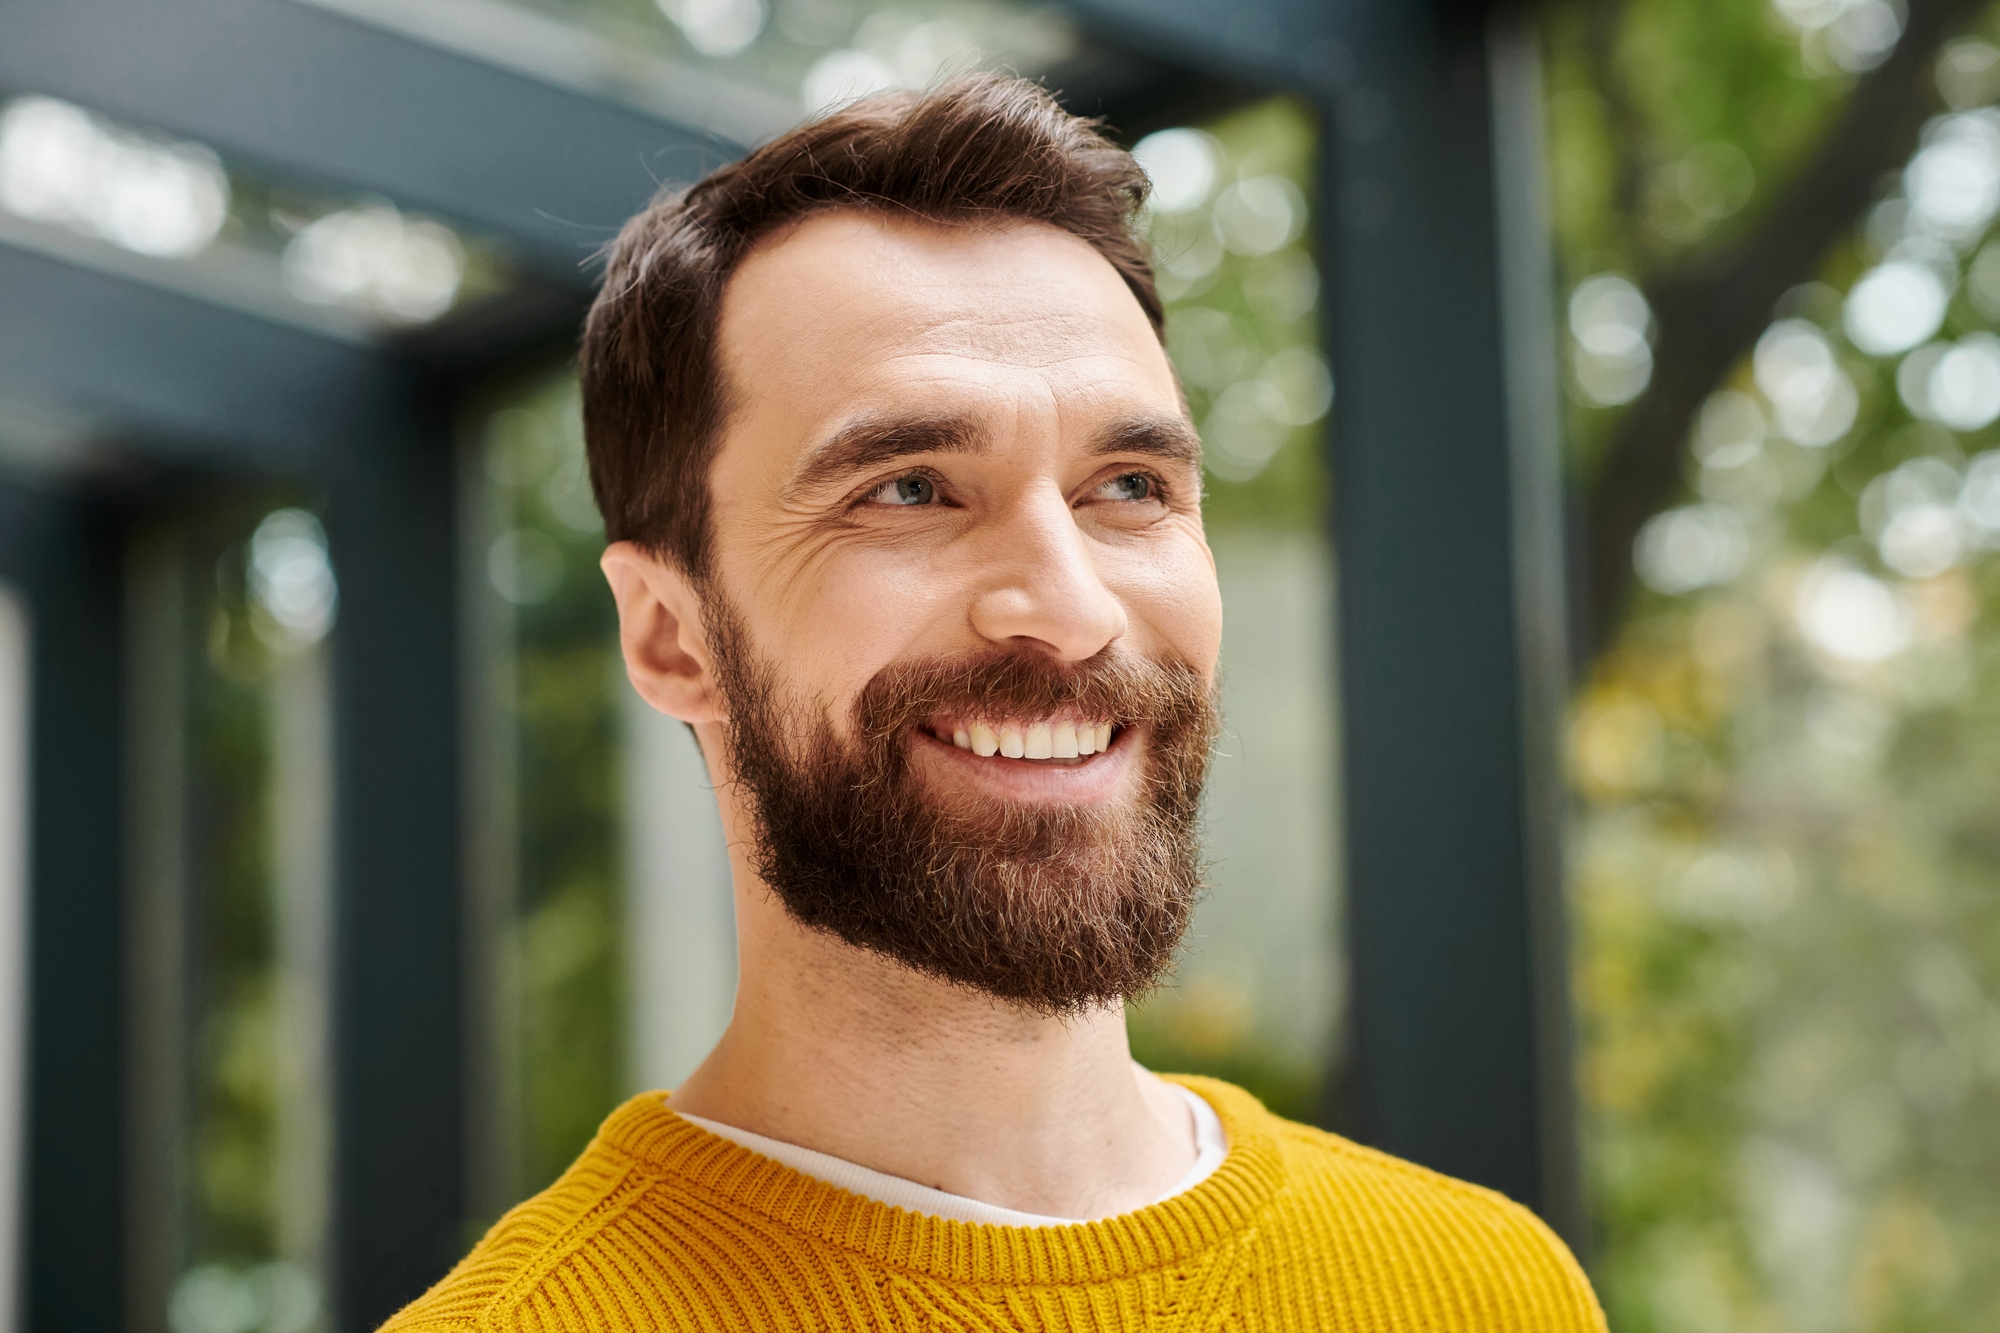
<point x="663" y="1226"/>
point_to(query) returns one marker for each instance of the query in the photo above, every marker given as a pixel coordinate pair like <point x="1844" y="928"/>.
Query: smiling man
<point x="906" y="520"/>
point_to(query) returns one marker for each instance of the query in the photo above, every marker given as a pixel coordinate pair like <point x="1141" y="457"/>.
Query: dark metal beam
<point x="1300" y="45"/>
<point x="168" y="374"/>
<point x="1442" y="471"/>
<point x="62" y="553"/>
<point x="304" y="92"/>
<point x="399" y="1111"/>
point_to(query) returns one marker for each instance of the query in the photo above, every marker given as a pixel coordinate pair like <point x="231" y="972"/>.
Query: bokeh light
<point x="1181" y="164"/>
<point x="60" y="164"/>
<point x="1849" y="614"/>
<point x="1795" y="367"/>
<point x="717" y="27"/>
<point x="1894" y="307"/>
<point x="291" y="577"/>
<point x="1697" y="546"/>
<point x="891" y="48"/>
<point x="1953" y="183"/>
<point x="372" y="258"/>
<point x="1611" y="327"/>
<point x="1843" y="35"/>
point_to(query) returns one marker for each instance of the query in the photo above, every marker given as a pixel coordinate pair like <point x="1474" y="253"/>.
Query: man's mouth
<point x="1052" y="738"/>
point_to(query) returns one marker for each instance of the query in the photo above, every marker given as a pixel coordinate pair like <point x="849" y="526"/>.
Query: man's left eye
<point x="1129" y="486"/>
<point x="915" y="489"/>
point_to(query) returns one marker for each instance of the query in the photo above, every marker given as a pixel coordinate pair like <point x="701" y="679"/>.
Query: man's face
<point x="958" y="540"/>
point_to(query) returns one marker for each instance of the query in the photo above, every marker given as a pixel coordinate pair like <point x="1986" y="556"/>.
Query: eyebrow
<point x="873" y="441"/>
<point x="1169" y="438"/>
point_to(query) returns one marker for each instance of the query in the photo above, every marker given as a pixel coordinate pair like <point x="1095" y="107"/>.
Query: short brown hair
<point x="980" y="148"/>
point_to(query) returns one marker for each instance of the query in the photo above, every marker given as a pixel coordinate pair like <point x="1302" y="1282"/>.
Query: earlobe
<point x="661" y="635"/>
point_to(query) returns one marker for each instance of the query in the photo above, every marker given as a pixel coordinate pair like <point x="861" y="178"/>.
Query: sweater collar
<point x="1167" y="1234"/>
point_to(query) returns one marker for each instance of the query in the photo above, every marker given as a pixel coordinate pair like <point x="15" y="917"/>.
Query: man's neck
<point x="845" y="1052"/>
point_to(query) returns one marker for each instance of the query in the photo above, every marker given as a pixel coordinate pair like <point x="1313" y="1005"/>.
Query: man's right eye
<point x="915" y="489"/>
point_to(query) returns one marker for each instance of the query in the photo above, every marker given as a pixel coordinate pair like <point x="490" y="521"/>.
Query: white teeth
<point x="1063" y="739"/>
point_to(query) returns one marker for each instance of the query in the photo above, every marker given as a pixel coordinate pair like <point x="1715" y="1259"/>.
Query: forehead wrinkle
<point x="1034" y="341"/>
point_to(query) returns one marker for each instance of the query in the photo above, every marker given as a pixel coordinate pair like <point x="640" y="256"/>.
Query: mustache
<point x="1114" y="685"/>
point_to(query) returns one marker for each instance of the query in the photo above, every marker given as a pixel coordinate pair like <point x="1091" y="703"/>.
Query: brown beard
<point x="1054" y="908"/>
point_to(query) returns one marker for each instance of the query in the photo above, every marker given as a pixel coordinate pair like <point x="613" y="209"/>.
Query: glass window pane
<point x="231" y="602"/>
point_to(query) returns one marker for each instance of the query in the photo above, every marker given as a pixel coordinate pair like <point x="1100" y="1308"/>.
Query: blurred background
<point x="1602" y="413"/>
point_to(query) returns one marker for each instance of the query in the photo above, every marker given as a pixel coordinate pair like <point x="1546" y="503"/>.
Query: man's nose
<point x="1039" y="582"/>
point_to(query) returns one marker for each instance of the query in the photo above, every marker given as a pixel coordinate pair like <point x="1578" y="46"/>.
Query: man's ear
<point x="661" y="634"/>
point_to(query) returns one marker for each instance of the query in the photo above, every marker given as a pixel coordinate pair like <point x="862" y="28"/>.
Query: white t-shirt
<point x="1210" y="1148"/>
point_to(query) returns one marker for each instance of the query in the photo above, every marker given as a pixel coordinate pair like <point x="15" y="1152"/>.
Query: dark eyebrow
<point x="1170" y="438"/>
<point x="873" y="441"/>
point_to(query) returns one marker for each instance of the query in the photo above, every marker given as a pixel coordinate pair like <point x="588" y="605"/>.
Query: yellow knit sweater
<point x="663" y="1226"/>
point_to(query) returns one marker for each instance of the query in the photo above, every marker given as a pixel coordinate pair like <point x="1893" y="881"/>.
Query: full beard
<point x="1054" y="908"/>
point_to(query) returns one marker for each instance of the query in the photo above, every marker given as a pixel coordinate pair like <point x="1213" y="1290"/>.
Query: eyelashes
<point x="922" y="489"/>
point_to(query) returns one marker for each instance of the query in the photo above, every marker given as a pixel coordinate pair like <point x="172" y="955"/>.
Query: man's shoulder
<point x="1452" y="1249"/>
<point x="532" y="1242"/>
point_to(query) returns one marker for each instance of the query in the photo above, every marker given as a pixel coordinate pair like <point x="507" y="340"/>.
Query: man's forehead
<point x="866" y="285"/>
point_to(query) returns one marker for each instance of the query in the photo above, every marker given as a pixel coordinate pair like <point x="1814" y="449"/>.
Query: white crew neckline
<point x="1211" y="1146"/>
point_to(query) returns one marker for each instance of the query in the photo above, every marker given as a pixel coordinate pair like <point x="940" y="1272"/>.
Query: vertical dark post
<point x="63" y="552"/>
<point x="398" y="1109"/>
<point x="1440" y="469"/>
<point x="161" y="917"/>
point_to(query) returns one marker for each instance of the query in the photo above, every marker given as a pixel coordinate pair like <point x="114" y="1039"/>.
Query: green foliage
<point x="1785" y="885"/>
<point x="233" y="1103"/>
<point x="1672" y="127"/>
<point x="1235" y="318"/>
<point x="563" y="717"/>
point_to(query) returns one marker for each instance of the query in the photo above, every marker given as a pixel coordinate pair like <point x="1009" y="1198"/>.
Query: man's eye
<point x="1130" y="486"/>
<point x="915" y="489"/>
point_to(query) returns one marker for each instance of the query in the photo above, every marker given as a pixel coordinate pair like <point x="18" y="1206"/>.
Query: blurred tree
<point x="1785" y="881"/>
<point x="1670" y="117"/>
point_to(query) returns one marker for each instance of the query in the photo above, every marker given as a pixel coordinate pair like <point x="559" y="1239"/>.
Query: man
<point x="906" y="521"/>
